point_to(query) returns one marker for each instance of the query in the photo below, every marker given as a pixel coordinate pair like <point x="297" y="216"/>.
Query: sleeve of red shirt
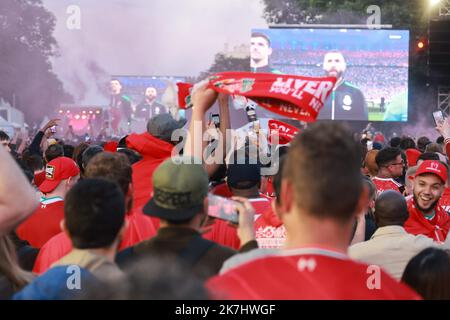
<point x="447" y="146"/>
<point x="56" y="248"/>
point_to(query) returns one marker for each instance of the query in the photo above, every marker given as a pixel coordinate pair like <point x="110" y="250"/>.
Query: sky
<point x="145" y="37"/>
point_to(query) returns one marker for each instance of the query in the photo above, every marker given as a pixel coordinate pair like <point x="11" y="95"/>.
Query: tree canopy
<point x="412" y="14"/>
<point x="26" y="47"/>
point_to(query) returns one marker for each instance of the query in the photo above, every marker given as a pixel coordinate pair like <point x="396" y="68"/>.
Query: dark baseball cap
<point x="179" y="189"/>
<point x="163" y="125"/>
<point x="243" y="176"/>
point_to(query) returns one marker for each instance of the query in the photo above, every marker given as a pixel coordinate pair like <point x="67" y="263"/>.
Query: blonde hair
<point x="9" y="265"/>
<point x="370" y="162"/>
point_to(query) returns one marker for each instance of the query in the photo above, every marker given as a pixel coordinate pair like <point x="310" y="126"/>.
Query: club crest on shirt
<point x="306" y="264"/>
<point x="50" y="172"/>
<point x="347" y="103"/>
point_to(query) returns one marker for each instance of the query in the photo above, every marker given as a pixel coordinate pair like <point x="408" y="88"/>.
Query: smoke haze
<point x="143" y="37"/>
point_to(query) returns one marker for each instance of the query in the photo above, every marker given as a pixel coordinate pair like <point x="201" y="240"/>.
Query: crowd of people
<point x="345" y="216"/>
<point x="313" y="56"/>
<point x="376" y="82"/>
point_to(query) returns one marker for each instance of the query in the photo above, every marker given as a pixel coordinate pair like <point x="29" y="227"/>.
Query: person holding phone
<point x="214" y="120"/>
<point x="243" y="180"/>
<point x="39" y="144"/>
<point x="438" y="117"/>
<point x="313" y="264"/>
<point x="180" y="201"/>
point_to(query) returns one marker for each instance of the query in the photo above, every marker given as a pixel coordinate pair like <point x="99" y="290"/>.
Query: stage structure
<point x="84" y="119"/>
<point x="439" y="55"/>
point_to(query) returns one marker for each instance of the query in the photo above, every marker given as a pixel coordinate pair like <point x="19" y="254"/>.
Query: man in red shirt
<point x="444" y="202"/>
<point x="52" y="152"/>
<point x="444" y="129"/>
<point x="425" y="215"/>
<point x="390" y="165"/>
<point x="154" y="146"/>
<point x="139" y="227"/>
<point x="60" y="175"/>
<point x="319" y="222"/>
<point x="243" y="180"/>
<point x="270" y="231"/>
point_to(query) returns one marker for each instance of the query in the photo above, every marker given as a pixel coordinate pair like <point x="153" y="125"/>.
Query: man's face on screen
<point x="150" y="93"/>
<point x="259" y="52"/>
<point x="115" y="87"/>
<point x="334" y="64"/>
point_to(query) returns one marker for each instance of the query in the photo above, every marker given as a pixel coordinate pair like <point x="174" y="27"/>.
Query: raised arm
<point x="202" y="99"/>
<point x="220" y="152"/>
<point x="35" y="146"/>
<point x="18" y="199"/>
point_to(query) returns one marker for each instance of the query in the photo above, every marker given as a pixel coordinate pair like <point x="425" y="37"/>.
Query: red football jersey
<point x="269" y="189"/>
<point x="140" y="228"/>
<point x="307" y="274"/>
<point x="269" y="230"/>
<point x="386" y="184"/>
<point x="44" y="223"/>
<point x="444" y="202"/>
<point x="39" y="178"/>
<point x="222" y="190"/>
<point x="436" y="228"/>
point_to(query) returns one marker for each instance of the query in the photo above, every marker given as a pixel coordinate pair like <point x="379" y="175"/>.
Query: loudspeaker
<point x="439" y="51"/>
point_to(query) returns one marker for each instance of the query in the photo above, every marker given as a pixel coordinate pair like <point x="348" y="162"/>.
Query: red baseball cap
<point x="57" y="170"/>
<point x="434" y="167"/>
<point x="412" y="156"/>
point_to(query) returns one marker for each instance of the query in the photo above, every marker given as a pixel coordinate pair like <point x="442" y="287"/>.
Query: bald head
<point x="391" y="209"/>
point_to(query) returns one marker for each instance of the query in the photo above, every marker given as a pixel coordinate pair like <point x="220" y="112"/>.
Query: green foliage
<point x="26" y="47"/>
<point x="223" y="63"/>
<point x="400" y="13"/>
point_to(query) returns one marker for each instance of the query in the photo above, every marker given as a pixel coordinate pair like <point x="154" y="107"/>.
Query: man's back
<point x="99" y="265"/>
<point x="182" y="243"/>
<point x="383" y="184"/>
<point x="139" y="228"/>
<point x="153" y="151"/>
<point x="307" y="273"/>
<point x="391" y="248"/>
<point x="44" y="223"/>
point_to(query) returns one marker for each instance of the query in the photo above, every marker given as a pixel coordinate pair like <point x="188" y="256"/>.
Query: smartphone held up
<point x="438" y="117"/>
<point x="222" y="208"/>
<point x="215" y="118"/>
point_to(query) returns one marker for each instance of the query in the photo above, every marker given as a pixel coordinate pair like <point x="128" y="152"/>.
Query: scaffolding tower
<point x="444" y="8"/>
<point x="444" y="90"/>
<point x="444" y="100"/>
